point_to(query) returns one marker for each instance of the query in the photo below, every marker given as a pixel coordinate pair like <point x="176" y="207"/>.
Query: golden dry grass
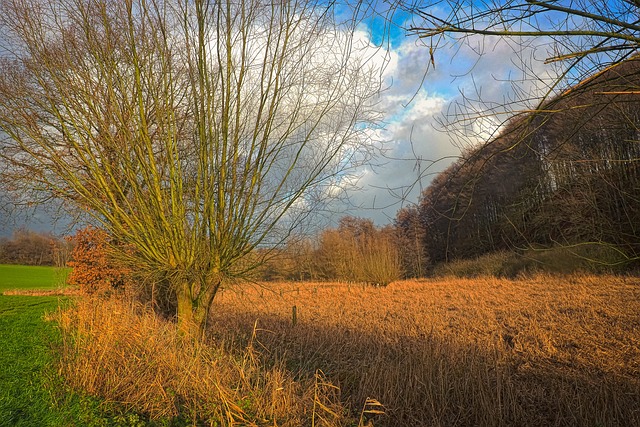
<point x="542" y="351"/>
<point x="124" y="354"/>
<point x="446" y="352"/>
<point x="66" y="291"/>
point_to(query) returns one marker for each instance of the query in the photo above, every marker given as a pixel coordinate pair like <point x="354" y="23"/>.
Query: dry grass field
<point x="545" y="351"/>
<point x="447" y="352"/>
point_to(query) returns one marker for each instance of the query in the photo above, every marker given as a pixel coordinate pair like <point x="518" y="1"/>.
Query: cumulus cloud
<point x="434" y="110"/>
<point x="423" y="97"/>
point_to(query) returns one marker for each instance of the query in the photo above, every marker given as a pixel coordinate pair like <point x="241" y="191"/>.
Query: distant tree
<point x="359" y="251"/>
<point x="561" y="176"/>
<point x="192" y="131"/>
<point x="410" y="235"/>
<point x="28" y="247"/>
<point x="591" y="167"/>
<point x="61" y="252"/>
<point x="336" y="256"/>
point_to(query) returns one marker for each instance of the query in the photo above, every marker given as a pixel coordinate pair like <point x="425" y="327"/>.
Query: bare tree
<point x="581" y="38"/>
<point x="359" y="251"/>
<point x="28" y="247"/>
<point x="410" y="238"/>
<point x="588" y="34"/>
<point x="193" y="131"/>
<point x="592" y="46"/>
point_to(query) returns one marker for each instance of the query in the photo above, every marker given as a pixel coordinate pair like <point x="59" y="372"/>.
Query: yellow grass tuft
<point x="126" y="355"/>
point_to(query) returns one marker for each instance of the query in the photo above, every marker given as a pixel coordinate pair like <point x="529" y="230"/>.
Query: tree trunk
<point x="193" y="310"/>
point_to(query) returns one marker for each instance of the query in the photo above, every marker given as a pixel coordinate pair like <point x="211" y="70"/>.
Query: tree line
<point x="355" y="251"/>
<point x="566" y="175"/>
<point x="27" y="247"/>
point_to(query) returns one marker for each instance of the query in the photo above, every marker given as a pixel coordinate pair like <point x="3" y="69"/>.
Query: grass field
<point x="541" y="351"/>
<point x="31" y="391"/>
<point x="31" y="277"/>
<point x="27" y="363"/>
<point x="446" y="352"/>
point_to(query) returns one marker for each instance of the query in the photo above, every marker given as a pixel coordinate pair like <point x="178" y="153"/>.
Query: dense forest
<point x="566" y="176"/>
<point x="564" y="181"/>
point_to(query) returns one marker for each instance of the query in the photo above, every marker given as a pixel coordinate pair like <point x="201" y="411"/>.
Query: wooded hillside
<point x="568" y="175"/>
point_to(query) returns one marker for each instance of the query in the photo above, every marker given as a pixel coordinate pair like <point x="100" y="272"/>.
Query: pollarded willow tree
<point x="192" y="130"/>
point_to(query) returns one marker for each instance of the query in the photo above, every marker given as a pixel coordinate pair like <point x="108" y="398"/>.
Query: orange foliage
<point x="94" y="269"/>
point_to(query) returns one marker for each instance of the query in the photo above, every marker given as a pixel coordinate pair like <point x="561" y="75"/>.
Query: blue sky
<point x="417" y="98"/>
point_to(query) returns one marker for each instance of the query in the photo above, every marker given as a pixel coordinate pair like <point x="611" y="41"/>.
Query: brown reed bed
<point x="446" y="352"/>
<point x="542" y="351"/>
<point x="126" y="355"/>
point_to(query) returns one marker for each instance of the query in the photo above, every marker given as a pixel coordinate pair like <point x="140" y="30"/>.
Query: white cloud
<point x="416" y="102"/>
<point x="418" y="96"/>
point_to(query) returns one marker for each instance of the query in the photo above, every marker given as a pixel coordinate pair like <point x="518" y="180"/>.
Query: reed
<point x="126" y="355"/>
<point x="539" y="351"/>
<point x="446" y="352"/>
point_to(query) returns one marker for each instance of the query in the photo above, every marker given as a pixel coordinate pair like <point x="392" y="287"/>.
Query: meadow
<point x="31" y="277"/>
<point x="31" y="391"/>
<point x="442" y="352"/>
<point x="24" y="355"/>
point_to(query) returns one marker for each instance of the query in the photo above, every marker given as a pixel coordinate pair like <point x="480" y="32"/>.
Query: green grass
<point x="31" y="392"/>
<point x="31" y="277"/>
<point x="588" y="258"/>
<point x="27" y="359"/>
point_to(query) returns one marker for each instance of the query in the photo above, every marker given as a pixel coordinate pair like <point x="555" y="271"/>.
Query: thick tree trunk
<point x="193" y="310"/>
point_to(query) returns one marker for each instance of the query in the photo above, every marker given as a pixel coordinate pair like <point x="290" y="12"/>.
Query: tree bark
<point x="193" y="309"/>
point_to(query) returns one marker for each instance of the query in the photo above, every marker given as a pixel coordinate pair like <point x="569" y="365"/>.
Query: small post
<point x="294" y="315"/>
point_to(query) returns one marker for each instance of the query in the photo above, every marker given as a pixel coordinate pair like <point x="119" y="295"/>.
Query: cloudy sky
<point x="419" y="95"/>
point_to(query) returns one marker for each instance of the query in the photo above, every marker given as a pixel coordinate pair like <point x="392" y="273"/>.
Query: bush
<point x="95" y="270"/>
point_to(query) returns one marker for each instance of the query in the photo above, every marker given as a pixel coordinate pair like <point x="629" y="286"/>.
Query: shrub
<point x="95" y="270"/>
